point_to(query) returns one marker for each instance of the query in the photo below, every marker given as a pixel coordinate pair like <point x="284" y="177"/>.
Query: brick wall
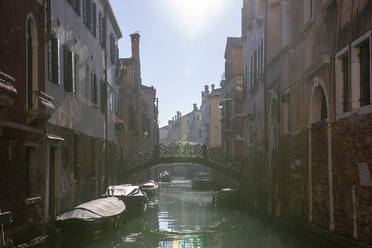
<point x="352" y="144"/>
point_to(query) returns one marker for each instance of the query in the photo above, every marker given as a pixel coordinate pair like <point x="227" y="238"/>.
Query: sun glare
<point x="195" y="14"/>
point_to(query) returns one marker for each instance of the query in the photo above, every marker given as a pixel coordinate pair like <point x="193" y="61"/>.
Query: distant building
<point x="211" y="117"/>
<point x="185" y="128"/>
<point x="150" y="126"/>
<point x="130" y="103"/>
<point x="163" y="134"/>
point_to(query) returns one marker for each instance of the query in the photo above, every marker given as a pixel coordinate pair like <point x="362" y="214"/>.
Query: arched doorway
<point x="31" y="60"/>
<point x="320" y="164"/>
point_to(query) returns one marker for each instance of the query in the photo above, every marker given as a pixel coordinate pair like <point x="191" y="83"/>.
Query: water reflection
<point x="179" y="217"/>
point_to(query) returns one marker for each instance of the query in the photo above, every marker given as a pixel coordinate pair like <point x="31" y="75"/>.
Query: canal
<point x="181" y="217"/>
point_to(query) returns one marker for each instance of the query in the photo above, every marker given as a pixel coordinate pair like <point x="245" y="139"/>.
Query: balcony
<point x="41" y="107"/>
<point x="8" y="91"/>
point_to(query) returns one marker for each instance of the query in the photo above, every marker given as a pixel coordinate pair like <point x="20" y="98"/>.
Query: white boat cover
<point x="123" y="190"/>
<point x="149" y="185"/>
<point x="90" y="211"/>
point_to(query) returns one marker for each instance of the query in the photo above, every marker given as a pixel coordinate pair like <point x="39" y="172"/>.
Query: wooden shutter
<point x="94" y="19"/>
<point x="55" y="61"/>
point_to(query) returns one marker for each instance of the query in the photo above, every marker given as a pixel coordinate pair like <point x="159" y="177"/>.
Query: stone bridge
<point x="183" y="153"/>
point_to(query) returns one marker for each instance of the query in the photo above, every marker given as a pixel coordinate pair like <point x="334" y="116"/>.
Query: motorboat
<point x="92" y="217"/>
<point x="132" y="195"/>
<point x="225" y="197"/>
<point x="165" y="176"/>
<point x="150" y="187"/>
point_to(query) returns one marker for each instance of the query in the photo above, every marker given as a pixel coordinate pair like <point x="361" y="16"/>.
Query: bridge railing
<point x="183" y="150"/>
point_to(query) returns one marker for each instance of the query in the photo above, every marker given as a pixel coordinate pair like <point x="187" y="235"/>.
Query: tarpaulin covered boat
<point x="89" y="217"/>
<point x="132" y="195"/>
<point x="149" y="187"/>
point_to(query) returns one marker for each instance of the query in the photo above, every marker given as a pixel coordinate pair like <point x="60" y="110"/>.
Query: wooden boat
<point x="92" y="217"/>
<point x="132" y="195"/>
<point x="226" y="197"/>
<point x="150" y="187"/>
<point x="165" y="177"/>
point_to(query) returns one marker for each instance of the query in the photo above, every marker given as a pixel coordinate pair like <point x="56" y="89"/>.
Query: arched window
<point x="31" y="61"/>
<point x="319" y="109"/>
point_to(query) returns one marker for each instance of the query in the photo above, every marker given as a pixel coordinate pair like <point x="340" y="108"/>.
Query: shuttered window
<point x="364" y="57"/>
<point x="93" y="19"/>
<point x="346" y="87"/>
<point x="68" y="69"/>
<point x="103" y="96"/>
<point x="94" y="87"/>
<point x="53" y="60"/>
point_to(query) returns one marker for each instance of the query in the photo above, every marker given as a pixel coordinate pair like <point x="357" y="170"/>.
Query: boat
<point x="203" y="182"/>
<point x="226" y="197"/>
<point x="150" y="187"/>
<point x="132" y="195"/>
<point x="165" y="177"/>
<point x="92" y="218"/>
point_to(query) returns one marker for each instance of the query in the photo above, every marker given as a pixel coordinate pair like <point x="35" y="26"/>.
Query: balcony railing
<point x="8" y="91"/>
<point x="41" y="107"/>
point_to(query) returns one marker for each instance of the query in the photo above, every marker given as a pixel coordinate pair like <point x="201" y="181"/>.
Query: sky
<point x="182" y="46"/>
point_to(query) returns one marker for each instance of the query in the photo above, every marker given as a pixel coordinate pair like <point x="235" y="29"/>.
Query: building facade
<point x="315" y="110"/>
<point x="185" y="129"/>
<point x="211" y="117"/>
<point x="150" y="111"/>
<point x="232" y="98"/>
<point x="25" y="109"/>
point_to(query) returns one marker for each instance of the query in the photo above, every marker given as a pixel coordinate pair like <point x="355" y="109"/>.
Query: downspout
<point x="265" y="90"/>
<point x="105" y="135"/>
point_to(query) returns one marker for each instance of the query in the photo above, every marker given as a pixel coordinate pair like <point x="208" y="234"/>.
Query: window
<point x="343" y="103"/>
<point x="94" y="88"/>
<point x="361" y="71"/>
<point x="103" y="96"/>
<point x="112" y="49"/>
<point x="86" y="11"/>
<point x="87" y="82"/>
<point x="364" y="57"/>
<point x="100" y="27"/>
<point x="93" y="19"/>
<point x="75" y="5"/>
<point x="132" y="120"/>
<point x="252" y="71"/>
<point x="32" y="61"/>
<point x="287" y="112"/>
<point x="345" y="86"/>
<point x="68" y="69"/>
<point x="76" y="85"/>
<point x="53" y="60"/>
<point x="111" y="101"/>
<point x="134" y="84"/>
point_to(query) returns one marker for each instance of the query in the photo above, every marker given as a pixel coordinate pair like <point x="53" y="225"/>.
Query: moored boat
<point x="150" y="187"/>
<point x="225" y="197"/>
<point x="92" y="218"/>
<point x="132" y="195"/>
<point x="203" y="182"/>
<point x="165" y="176"/>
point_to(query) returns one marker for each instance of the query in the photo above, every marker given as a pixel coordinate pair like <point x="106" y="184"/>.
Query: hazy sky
<point x="182" y="45"/>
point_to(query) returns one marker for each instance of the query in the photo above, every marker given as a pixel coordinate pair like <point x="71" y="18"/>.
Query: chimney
<point x="206" y="88"/>
<point x="178" y="115"/>
<point x="135" y="45"/>
<point x="212" y="87"/>
<point x="195" y="107"/>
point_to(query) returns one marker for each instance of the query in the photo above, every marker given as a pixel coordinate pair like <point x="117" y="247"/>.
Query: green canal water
<point x="179" y="217"/>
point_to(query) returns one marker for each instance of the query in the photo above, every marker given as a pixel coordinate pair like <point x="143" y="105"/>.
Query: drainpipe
<point x="265" y="89"/>
<point x="105" y="143"/>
